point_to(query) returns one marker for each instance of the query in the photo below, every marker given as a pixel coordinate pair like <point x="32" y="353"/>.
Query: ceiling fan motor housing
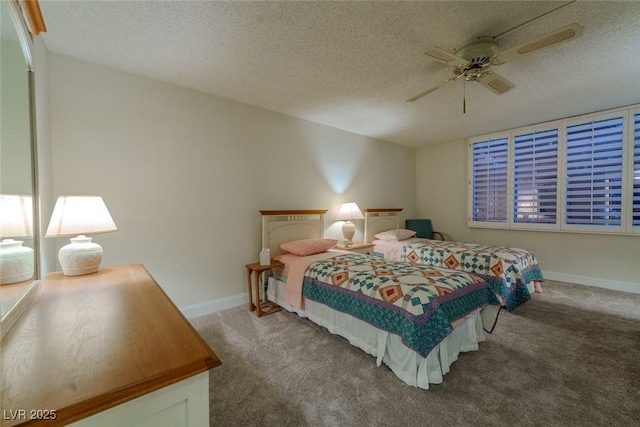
<point x="478" y="53"/>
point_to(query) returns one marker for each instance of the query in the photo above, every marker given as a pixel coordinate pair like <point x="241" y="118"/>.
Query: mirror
<point x="18" y="210"/>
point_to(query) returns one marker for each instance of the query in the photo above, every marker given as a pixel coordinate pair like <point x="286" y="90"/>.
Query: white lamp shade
<point x="350" y="210"/>
<point x="73" y="215"/>
<point x="16" y="216"/>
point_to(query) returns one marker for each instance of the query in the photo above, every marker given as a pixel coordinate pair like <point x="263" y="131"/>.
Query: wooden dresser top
<point x="88" y="343"/>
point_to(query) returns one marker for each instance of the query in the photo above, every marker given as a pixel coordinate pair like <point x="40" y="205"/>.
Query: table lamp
<point x="16" y="220"/>
<point x="347" y="212"/>
<point x="77" y="215"/>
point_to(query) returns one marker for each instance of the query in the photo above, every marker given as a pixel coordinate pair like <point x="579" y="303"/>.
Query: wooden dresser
<point x="109" y="346"/>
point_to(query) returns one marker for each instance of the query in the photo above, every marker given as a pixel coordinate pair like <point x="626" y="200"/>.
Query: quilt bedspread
<point x="508" y="270"/>
<point x="419" y="303"/>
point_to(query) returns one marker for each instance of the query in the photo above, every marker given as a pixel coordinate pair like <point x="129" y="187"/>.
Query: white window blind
<point x="535" y="177"/>
<point x="636" y="171"/>
<point x="490" y="180"/>
<point x="593" y="173"/>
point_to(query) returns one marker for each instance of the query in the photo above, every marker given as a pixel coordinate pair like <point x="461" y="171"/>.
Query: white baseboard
<point x="208" y="307"/>
<point x="590" y="281"/>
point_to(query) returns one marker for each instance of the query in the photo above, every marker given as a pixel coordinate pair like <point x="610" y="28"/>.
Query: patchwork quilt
<point x="419" y="303"/>
<point x="507" y="270"/>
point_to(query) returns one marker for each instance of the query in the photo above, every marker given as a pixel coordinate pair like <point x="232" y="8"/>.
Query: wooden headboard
<point x="284" y="226"/>
<point x="378" y="220"/>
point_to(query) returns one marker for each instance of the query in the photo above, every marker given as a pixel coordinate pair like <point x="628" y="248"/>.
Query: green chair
<point x="423" y="229"/>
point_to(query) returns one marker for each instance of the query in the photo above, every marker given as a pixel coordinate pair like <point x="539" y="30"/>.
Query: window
<point x="580" y="174"/>
<point x="593" y="176"/>
<point x="489" y="198"/>
<point x="535" y="177"/>
<point x="636" y="171"/>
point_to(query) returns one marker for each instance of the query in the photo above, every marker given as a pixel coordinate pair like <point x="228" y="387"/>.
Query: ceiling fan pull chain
<point x="464" y="96"/>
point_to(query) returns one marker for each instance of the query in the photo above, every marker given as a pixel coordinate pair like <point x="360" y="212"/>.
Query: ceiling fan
<point x="472" y="61"/>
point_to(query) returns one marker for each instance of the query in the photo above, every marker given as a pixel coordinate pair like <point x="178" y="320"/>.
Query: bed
<point x="513" y="273"/>
<point x="416" y="319"/>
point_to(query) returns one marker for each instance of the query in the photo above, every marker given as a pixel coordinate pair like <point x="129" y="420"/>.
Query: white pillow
<point x="399" y="234"/>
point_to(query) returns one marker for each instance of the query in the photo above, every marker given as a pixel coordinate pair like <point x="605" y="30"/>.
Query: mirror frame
<point x="8" y="318"/>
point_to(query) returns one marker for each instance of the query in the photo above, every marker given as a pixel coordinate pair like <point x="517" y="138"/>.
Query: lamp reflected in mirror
<point x="16" y="221"/>
<point x="80" y="215"/>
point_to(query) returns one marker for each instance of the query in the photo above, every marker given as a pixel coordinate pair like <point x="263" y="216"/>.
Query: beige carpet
<point x="568" y="357"/>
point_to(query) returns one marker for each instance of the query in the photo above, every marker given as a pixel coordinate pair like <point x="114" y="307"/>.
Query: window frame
<point x="626" y="215"/>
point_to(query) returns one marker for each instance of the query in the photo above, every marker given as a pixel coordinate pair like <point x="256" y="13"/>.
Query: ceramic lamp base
<point x="348" y="230"/>
<point x="80" y="257"/>
<point x="16" y="262"/>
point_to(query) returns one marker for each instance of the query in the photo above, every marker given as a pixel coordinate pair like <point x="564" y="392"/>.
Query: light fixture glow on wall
<point x="16" y="220"/>
<point x="80" y="215"/>
<point x="349" y="211"/>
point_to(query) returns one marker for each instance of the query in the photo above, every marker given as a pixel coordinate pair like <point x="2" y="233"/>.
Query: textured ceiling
<point x="352" y="65"/>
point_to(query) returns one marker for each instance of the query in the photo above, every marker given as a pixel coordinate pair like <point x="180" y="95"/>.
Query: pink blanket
<point x="295" y="277"/>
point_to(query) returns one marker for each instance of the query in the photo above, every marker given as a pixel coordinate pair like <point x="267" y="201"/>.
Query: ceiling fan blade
<point x="428" y="91"/>
<point x="425" y="93"/>
<point x="496" y="83"/>
<point x="570" y="32"/>
<point x="446" y="57"/>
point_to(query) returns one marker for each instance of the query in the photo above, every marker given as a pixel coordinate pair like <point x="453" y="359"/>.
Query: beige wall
<point x="603" y="260"/>
<point x="185" y="173"/>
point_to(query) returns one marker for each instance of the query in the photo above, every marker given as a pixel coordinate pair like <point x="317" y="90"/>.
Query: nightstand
<point x="262" y="308"/>
<point x="361" y="248"/>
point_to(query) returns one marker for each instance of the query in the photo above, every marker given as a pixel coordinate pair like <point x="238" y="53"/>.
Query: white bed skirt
<point x="387" y="348"/>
